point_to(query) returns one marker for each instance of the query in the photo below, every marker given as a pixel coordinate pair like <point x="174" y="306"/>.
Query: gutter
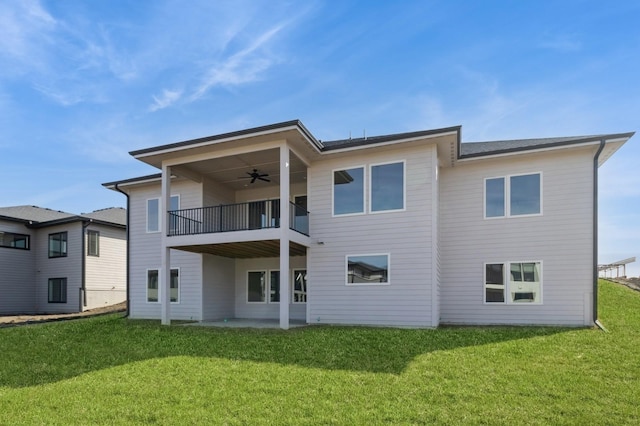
<point x="117" y="188"/>
<point x="83" y="283"/>
<point x="595" y="234"/>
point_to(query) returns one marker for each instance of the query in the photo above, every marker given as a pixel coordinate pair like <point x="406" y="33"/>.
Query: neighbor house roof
<point x="38" y="217"/>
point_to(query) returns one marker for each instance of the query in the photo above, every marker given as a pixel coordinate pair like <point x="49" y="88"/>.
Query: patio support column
<point x="284" y="237"/>
<point x="165" y="271"/>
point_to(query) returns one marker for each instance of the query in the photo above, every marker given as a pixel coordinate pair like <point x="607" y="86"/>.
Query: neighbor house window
<point x="387" y="187"/>
<point x="17" y="241"/>
<point x="348" y="191"/>
<point x="368" y="269"/>
<point x="57" y="290"/>
<point x="299" y="286"/>
<point x="93" y="243"/>
<point x="153" y="212"/>
<point x="153" y="288"/>
<point x="516" y="195"/>
<point x="58" y="244"/>
<point x="513" y="282"/>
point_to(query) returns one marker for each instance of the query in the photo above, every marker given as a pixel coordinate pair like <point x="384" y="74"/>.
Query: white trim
<point x="346" y="269"/>
<point x="539" y="150"/>
<point x="391" y="142"/>
<point x="293" y="284"/>
<point x="364" y="191"/>
<point x="404" y="187"/>
<point x="506" y="265"/>
<point x="507" y="196"/>
<point x="159" y="215"/>
<point x="264" y="291"/>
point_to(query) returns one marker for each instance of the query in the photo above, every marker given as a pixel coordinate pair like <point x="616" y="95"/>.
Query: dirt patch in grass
<point x="13" y="320"/>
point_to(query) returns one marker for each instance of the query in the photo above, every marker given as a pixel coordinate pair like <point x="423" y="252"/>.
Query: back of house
<point x="411" y="229"/>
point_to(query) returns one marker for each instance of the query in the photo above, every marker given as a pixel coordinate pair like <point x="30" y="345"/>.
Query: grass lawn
<point x="111" y="370"/>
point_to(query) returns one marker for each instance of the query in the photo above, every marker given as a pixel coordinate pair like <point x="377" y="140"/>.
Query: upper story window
<point x="17" y="241"/>
<point x="58" y="244"/>
<point x="387" y="187"/>
<point x="517" y="195"/>
<point x="348" y="191"/>
<point x="153" y="212"/>
<point x="93" y="243"/>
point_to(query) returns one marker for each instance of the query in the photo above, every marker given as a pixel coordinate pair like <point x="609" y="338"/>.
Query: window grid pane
<point x="368" y="269"/>
<point x="525" y="195"/>
<point x="494" y="283"/>
<point x="494" y="201"/>
<point x="152" y="286"/>
<point x="300" y="286"/>
<point x="256" y="286"/>
<point x="387" y="187"/>
<point x="348" y="191"/>
<point x="274" y="283"/>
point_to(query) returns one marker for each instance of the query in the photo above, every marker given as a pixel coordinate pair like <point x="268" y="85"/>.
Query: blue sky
<point x="85" y="82"/>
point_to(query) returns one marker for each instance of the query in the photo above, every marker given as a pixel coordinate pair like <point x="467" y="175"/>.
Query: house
<point x="57" y="262"/>
<point x="411" y="229"/>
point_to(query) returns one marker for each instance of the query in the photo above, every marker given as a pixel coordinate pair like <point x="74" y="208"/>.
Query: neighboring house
<point x="411" y="229"/>
<point x="57" y="262"/>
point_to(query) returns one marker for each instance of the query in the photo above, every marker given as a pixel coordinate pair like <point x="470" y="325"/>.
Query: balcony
<point x="252" y="215"/>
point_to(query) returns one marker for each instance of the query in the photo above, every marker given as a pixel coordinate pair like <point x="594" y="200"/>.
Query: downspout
<point x="83" y="289"/>
<point x="595" y="235"/>
<point x="128" y="244"/>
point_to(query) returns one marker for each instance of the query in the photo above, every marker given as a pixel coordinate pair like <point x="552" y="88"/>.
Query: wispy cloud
<point x="167" y="98"/>
<point x="561" y="42"/>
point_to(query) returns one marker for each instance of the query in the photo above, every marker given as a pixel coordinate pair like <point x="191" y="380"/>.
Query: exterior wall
<point x="218" y="287"/>
<point x="146" y="254"/>
<point x="561" y="238"/>
<point x="106" y="274"/>
<point x="17" y="280"/>
<point x="405" y="235"/>
<point x="244" y="309"/>
<point x="69" y="267"/>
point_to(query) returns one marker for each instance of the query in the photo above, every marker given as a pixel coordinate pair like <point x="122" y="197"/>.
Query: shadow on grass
<point x="51" y="352"/>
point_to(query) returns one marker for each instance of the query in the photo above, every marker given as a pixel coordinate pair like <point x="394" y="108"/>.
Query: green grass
<point x="111" y="370"/>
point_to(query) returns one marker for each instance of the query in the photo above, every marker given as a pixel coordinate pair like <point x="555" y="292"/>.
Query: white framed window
<point x="153" y="287"/>
<point x="513" y="282"/>
<point x="348" y="191"/>
<point x="263" y="286"/>
<point x="513" y="195"/>
<point x="299" y="289"/>
<point x="367" y="269"/>
<point x="387" y="187"/>
<point x="93" y="243"/>
<point x="153" y="212"/>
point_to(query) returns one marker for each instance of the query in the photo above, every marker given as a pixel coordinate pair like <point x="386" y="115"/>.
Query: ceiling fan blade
<point x="253" y="179"/>
<point x="264" y="179"/>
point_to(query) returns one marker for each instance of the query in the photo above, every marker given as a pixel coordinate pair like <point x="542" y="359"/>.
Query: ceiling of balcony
<point x="233" y="171"/>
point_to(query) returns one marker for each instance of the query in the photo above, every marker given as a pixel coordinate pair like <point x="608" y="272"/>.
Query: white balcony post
<point x="165" y="272"/>
<point x="284" y="237"/>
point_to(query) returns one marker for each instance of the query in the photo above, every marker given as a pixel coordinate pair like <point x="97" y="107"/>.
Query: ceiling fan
<point x="257" y="176"/>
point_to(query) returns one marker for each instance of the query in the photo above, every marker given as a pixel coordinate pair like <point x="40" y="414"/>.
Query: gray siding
<point x="69" y="267"/>
<point x="146" y="254"/>
<point x="106" y="281"/>
<point x="405" y="235"/>
<point x="561" y="238"/>
<point x="17" y="273"/>
<point x="218" y="287"/>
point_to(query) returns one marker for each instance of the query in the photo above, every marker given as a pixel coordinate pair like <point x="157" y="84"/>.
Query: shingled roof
<point x="38" y="216"/>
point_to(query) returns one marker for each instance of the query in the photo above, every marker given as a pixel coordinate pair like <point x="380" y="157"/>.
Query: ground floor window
<point x="57" y="290"/>
<point x="513" y="282"/>
<point x="368" y="269"/>
<point x="299" y="286"/>
<point x="153" y="289"/>
<point x="263" y="286"/>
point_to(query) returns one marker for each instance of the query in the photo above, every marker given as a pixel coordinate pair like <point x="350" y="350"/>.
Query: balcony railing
<point x="236" y="217"/>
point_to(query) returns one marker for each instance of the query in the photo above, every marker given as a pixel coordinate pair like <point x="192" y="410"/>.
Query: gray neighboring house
<point x="410" y="229"/>
<point x="57" y="262"/>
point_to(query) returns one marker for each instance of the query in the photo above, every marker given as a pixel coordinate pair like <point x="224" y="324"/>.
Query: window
<point x="263" y="287"/>
<point x="57" y="290"/>
<point x="523" y="283"/>
<point x="58" y="244"/>
<point x="17" y="241"/>
<point x="348" y="191"/>
<point x="513" y="196"/>
<point x="299" y="286"/>
<point x="153" y="288"/>
<point x="368" y="269"/>
<point x="387" y="187"/>
<point x="93" y="243"/>
<point x="153" y="212"/>
<point x="256" y="281"/>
